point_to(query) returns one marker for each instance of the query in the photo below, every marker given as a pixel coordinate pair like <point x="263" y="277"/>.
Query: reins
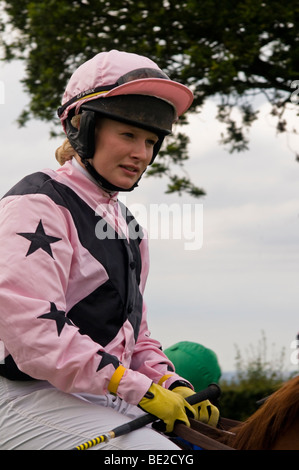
<point x="212" y="392"/>
<point x="204" y="436"/>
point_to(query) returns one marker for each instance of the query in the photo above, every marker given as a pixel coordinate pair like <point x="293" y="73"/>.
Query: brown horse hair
<point x="271" y="420"/>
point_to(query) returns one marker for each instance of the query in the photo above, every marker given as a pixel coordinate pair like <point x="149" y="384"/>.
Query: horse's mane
<point x="278" y="412"/>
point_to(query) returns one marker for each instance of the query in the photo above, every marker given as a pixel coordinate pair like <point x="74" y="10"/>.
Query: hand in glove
<point x="205" y="411"/>
<point x="167" y="406"/>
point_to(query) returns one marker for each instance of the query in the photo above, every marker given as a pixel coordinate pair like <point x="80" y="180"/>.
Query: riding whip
<point x="212" y="392"/>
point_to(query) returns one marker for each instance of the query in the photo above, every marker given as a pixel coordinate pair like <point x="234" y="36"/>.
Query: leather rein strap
<point x="203" y="435"/>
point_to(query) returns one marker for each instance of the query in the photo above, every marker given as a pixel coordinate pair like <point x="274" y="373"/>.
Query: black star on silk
<point x="39" y="239"/>
<point x="58" y="316"/>
<point x="107" y="359"/>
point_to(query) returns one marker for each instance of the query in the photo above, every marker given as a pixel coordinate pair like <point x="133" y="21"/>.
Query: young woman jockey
<point x="79" y="358"/>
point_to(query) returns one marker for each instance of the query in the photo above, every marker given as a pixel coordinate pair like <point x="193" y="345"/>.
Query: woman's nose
<point x="142" y="151"/>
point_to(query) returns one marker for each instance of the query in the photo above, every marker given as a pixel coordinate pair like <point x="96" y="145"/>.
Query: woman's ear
<point x="83" y="139"/>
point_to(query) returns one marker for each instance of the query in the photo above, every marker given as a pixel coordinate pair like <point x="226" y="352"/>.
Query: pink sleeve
<point x="149" y="359"/>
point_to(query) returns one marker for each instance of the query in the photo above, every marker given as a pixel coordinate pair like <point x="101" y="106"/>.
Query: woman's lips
<point x="130" y="169"/>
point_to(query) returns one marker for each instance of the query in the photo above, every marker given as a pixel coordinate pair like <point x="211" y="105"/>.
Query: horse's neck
<point x="289" y="440"/>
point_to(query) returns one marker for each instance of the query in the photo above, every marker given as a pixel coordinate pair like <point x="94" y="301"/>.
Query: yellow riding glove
<point x="167" y="406"/>
<point x="206" y="412"/>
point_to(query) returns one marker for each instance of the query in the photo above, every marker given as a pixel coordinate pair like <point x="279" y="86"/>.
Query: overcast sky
<point x="241" y="276"/>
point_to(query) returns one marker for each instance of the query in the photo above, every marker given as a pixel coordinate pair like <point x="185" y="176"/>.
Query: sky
<point x="226" y="273"/>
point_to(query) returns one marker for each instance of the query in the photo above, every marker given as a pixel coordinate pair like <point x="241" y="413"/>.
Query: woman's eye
<point x="131" y="135"/>
<point x="128" y="134"/>
<point x="152" y="142"/>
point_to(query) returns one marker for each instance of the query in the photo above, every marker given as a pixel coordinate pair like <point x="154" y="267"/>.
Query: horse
<point x="274" y="426"/>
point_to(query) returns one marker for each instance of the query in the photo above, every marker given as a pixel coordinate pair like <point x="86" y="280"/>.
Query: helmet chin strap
<point x="103" y="183"/>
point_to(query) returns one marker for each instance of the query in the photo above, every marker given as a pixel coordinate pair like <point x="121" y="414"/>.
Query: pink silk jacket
<point x="73" y="268"/>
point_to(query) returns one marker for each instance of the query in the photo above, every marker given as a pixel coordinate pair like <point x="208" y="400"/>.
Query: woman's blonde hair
<point x="66" y="152"/>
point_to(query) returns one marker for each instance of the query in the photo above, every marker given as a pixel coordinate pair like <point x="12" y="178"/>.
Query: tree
<point x="230" y="50"/>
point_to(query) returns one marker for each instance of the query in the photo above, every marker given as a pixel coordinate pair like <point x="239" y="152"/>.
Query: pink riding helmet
<point x="136" y="91"/>
<point x="117" y="73"/>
